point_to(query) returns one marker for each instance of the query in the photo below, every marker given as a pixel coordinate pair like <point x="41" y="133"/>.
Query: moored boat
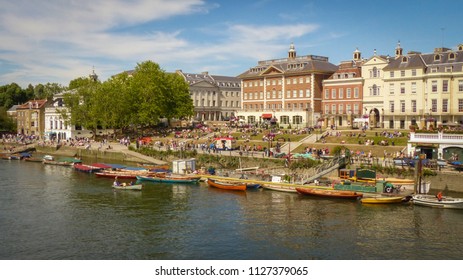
<point x="169" y="179"/>
<point x="433" y="201"/>
<point x="253" y="185"/>
<point x="235" y="186"/>
<point x="124" y="186"/>
<point x="382" y="199"/>
<point x="280" y="188"/>
<point x="329" y="193"/>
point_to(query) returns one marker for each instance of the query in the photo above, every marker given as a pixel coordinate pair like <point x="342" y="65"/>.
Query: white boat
<point x="280" y="188"/>
<point x="125" y="186"/>
<point x="432" y="201"/>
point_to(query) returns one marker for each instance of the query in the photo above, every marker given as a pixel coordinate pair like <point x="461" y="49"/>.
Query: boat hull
<point x="137" y="187"/>
<point x="329" y="193"/>
<point x="226" y="186"/>
<point x="280" y="188"/>
<point x="432" y="201"/>
<point x="169" y="180"/>
<point x="382" y="200"/>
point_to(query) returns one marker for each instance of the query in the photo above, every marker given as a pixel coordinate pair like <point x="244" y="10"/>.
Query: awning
<point x="267" y="116"/>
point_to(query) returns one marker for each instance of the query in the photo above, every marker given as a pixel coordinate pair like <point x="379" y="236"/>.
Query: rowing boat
<point x="329" y="193"/>
<point x="235" y="186"/>
<point x="382" y="199"/>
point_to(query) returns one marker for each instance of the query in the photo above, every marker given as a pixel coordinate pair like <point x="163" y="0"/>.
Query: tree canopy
<point x="123" y="101"/>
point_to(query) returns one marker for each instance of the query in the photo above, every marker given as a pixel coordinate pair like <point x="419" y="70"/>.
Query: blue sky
<point x="59" y="40"/>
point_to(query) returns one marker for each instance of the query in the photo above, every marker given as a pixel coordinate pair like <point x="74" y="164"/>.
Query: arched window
<point x="436" y="57"/>
<point x="451" y="56"/>
<point x="375" y="72"/>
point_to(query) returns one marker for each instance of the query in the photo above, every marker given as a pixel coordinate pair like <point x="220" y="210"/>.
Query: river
<point x="54" y="213"/>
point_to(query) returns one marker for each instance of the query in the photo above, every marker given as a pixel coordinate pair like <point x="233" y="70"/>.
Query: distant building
<point x="12" y="113"/>
<point x="215" y="98"/>
<point x="31" y="118"/>
<point x="284" y="91"/>
<point x="343" y="94"/>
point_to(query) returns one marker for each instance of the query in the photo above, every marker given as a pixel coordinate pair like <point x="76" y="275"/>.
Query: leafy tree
<point x="81" y="104"/>
<point x="6" y="123"/>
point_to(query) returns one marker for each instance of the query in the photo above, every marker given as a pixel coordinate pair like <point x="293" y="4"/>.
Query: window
<point x="348" y="93"/>
<point x="375" y="72"/>
<point x="414" y="106"/>
<point x="301" y="93"/>
<point x="356" y="108"/>
<point x="402" y="88"/>
<point x="413" y="72"/>
<point x="391" y="88"/>
<point x="460" y="105"/>
<point x="279" y="94"/>
<point x="301" y="80"/>
<point x="451" y="56"/>
<point x="445" y="105"/>
<point x="436" y="57"/>
<point x="356" y="92"/>
<point x="434" y="86"/>
<point x="327" y="110"/>
<point x="341" y="109"/>
<point x="274" y="94"/>
<point x="307" y="93"/>
<point x="391" y="106"/>
<point x="374" y="90"/>
<point x="341" y="93"/>
<point x="391" y="74"/>
<point x="333" y="93"/>
<point x="402" y="106"/>
<point x="445" y="85"/>
<point x="402" y="124"/>
<point x="294" y="93"/>
<point x="333" y="108"/>
<point x="413" y="87"/>
<point x="460" y="85"/>
<point x="402" y="73"/>
<point x="348" y="109"/>
<point x="434" y="105"/>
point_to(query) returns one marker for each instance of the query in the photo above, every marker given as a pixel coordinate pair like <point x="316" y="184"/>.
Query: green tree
<point x="81" y="104"/>
<point x="159" y="94"/>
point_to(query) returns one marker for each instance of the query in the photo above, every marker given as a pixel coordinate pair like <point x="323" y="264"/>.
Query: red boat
<point x="329" y="193"/>
<point x="234" y="186"/>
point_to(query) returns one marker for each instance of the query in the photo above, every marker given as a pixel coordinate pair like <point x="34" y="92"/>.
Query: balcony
<point x="436" y="138"/>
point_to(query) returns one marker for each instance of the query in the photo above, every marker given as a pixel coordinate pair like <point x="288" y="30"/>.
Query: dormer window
<point x="404" y="59"/>
<point x="451" y="56"/>
<point x="436" y="57"/>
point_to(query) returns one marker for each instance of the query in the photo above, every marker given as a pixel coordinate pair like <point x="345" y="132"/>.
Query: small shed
<point x="225" y="143"/>
<point x="183" y="166"/>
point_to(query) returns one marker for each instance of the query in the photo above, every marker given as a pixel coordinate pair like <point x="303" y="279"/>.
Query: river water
<point x="53" y="212"/>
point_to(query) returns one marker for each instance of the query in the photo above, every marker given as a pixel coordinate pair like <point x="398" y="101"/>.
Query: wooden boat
<point x="432" y="201"/>
<point x="169" y="179"/>
<point x="86" y="168"/>
<point x="62" y="161"/>
<point x="280" y="188"/>
<point x="235" y="186"/>
<point x="329" y="193"/>
<point x="124" y="186"/>
<point x="253" y="185"/>
<point x="382" y="199"/>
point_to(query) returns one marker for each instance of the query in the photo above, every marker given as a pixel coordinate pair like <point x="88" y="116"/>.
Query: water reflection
<point x="53" y="212"/>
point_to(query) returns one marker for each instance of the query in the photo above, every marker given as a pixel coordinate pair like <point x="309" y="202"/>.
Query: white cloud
<point x="57" y="41"/>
